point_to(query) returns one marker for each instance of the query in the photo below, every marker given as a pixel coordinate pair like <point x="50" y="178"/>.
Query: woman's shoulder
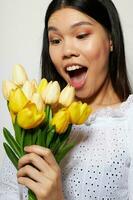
<point x="127" y="106"/>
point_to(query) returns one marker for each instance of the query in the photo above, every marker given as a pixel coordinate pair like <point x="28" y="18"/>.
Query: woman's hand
<point x="39" y="171"/>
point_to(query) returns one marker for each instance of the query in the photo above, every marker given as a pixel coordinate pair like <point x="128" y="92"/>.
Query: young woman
<point x="83" y="46"/>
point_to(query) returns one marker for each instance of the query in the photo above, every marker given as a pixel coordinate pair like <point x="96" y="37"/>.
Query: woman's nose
<point x="69" y="50"/>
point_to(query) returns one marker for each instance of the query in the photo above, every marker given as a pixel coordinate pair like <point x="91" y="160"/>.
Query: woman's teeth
<point x="72" y="68"/>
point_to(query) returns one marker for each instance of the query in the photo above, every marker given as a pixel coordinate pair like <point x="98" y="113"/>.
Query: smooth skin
<point x="80" y="40"/>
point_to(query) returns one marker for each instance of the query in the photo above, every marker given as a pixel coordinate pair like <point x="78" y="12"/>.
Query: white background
<point x="21" y="31"/>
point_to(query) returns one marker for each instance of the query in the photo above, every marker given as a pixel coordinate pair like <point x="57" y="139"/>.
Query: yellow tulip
<point x="61" y="120"/>
<point x="79" y="112"/>
<point x="29" y="117"/>
<point x="34" y="84"/>
<point x="42" y="85"/>
<point x="51" y="93"/>
<point x="67" y="96"/>
<point x="17" y="100"/>
<point x="19" y="75"/>
<point x="7" y="86"/>
<point x="37" y="99"/>
<point x="28" y="89"/>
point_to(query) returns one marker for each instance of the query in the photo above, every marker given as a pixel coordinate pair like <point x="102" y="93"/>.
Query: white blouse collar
<point x="113" y="112"/>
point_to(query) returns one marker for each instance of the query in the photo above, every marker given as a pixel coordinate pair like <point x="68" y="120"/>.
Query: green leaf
<point x="11" y="141"/>
<point x="50" y="136"/>
<point x="64" y="138"/>
<point x="55" y="145"/>
<point x="47" y="108"/>
<point x="62" y="144"/>
<point x="65" y="135"/>
<point x="60" y="155"/>
<point x="31" y="195"/>
<point x="50" y="114"/>
<point x="22" y="142"/>
<point x="39" y="137"/>
<point x="34" y="136"/>
<point x="27" y="140"/>
<point x="18" y="131"/>
<point x="11" y="155"/>
<point x="44" y="136"/>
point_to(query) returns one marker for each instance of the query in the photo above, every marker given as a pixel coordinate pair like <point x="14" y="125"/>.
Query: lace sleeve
<point x="131" y="181"/>
<point x="130" y="175"/>
<point x="130" y="145"/>
<point x="9" y="188"/>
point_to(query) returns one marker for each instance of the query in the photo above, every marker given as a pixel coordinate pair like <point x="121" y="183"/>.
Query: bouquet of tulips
<point x="41" y="114"/>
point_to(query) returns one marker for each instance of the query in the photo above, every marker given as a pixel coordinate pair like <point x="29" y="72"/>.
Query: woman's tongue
<point x="77" y="78"/>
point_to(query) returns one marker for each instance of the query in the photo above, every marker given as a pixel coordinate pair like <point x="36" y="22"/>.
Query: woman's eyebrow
<point x="52" y="28"/>
<point x="81" y="23"/>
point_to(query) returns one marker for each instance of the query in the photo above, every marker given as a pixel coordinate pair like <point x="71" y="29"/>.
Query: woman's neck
<point x="104" y="98"/>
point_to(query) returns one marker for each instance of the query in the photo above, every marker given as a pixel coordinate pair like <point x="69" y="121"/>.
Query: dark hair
<point x="106" y="14"/>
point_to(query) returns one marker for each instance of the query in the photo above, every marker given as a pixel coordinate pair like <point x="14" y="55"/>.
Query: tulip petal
<point x="7" y="86"/>
<point x="37" y="99"/>
<point x="28" y="89"/>
<point x="17" y="100"/>
<point x="42" y="85"/>
<point x="67" y="96"/>
<point x="19" y="75"/>
<point x="61" y="120"/>
<point x="79" y="112"/>
<point x="51" y="93"/>
<point x="29" y="117"/>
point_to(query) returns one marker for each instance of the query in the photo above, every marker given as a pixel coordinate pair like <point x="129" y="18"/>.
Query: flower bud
<point x="61" y="120"/>
<point x="17" y="100"/>
<point x="37" y="99"/>
<point x="19" y="75"/>
<point x="67" y="96"/>
<point x="29" y="117"/>
<point x="7" y="86"/>
<point x="28" y="89"/>
<point x="79" y="112"/>
<point x="51" y="93"/>
<point x="42" y="85"/>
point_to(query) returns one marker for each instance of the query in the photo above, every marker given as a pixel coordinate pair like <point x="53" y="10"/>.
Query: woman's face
<point x="79" y="48"/>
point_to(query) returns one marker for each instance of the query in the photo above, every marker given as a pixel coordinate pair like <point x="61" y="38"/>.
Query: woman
<point x="83" y="46"/>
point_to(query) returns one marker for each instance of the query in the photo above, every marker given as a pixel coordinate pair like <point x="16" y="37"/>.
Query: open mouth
<point x="77" y="75"/>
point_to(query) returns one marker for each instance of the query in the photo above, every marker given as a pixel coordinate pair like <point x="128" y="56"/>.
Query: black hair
<point x="106" y="14"/>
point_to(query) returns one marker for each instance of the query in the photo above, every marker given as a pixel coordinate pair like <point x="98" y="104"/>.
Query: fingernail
<point x="26" y="148"/>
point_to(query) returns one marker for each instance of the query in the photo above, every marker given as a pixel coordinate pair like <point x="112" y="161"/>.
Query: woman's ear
<point x="111" y="45"/>
<point x="110" y="42"/>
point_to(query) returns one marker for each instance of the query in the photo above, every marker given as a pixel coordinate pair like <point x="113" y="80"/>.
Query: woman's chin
<point x="81" y="96"/>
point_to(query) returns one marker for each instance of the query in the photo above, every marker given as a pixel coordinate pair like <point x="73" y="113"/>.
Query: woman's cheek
<point x="54" y="56"/>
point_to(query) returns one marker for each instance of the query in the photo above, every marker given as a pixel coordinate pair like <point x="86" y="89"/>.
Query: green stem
<point x="31" y="195"/>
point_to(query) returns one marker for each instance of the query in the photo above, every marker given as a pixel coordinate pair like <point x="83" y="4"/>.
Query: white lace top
<point x="99" y="167"/>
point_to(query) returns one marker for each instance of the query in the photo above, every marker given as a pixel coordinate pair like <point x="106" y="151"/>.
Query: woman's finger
<point x="32" y="158"/>
<point x="31" y="172"/>
<point x="45" y="153"/>
<point x="37" y="161"/>
<point x="35" y="174"/>
<point x="32" y="185"/>
<point x="42" y="191"/>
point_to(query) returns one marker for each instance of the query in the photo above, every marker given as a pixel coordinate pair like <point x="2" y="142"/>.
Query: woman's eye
<point x="55" y="41"/>
<point x="82" y="36"/>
